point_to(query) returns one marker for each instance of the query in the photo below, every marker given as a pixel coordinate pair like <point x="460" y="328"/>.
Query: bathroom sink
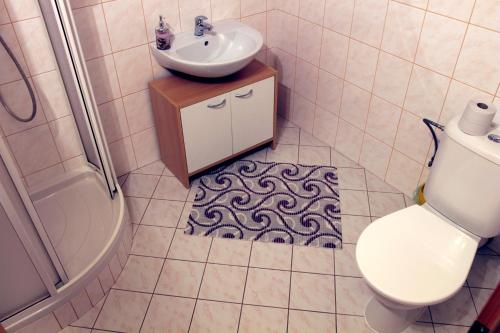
<point x="226" y="49"/>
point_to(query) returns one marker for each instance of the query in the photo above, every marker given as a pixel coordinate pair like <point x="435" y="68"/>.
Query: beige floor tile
<point x="223" y="283"/>
<point x="345" y="261"/>
<point x="180" y="278"/>
<point x="419" y="328"/>
<point x="352" y="179"/>
<point x="376" y="184"/>
<point x="480" y="297"/>
<point x="152" y="241"/>
<point x="485" y="272"/>
<point x="271" y="255"/>
<point x="439" y="328"/>
<point x="193" y="189"/>
<point x="136" y="208"/>
<point x="89" y="318"/>
<point x="306" y="139"/>
<point x="186" y="211"/>
<point x="305" y="321"/>
<point x="259" y="319"/>
<point x="259" y="155"/>
<point x="382" y="204"/>
<point x="168" y="314"/>
<point x="71" y="329"/>
<point x="138" y="185"/>
<point x="283" y="154"/>
<point x="353" y="226"/>
<point x="215" y="317"/>
<point x="312" y="292"/>
<point x="156" y="168"/>
<point x="312" y="259"/>
<point x="267" y="287"/>
<point x="171" y="189"/>
<point x="458" y="310"/>
<point x="354" y="202"/>
<point x="310" y="155"/>
<point x="140" y="274"/>
<point x="189" y="247"/>
<point x="123" y="311"/>
<point x="163" y="213"/>
<point x="348" y="324"/>
<point x="288" y="135"/>
<point x="230" y="251"/>
<point x="352" y="295"/>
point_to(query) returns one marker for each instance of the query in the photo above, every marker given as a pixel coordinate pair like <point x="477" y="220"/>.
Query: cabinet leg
<point x="274" y="144"/>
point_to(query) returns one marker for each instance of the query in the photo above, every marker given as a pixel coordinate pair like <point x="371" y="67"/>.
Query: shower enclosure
<point x="64" y="230"/>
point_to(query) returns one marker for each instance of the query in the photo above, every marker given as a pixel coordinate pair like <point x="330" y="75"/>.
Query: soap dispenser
<point x="163" y="35"/>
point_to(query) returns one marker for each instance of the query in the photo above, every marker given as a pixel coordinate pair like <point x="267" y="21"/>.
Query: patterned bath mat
<point x="273" y="202"/>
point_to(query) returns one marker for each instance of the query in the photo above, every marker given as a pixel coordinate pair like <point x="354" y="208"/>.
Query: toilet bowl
<point x="421" y="255"/>
<point x="411" y="259"/>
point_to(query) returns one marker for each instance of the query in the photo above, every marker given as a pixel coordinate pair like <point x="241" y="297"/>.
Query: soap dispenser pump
<point x="163" y="35"/>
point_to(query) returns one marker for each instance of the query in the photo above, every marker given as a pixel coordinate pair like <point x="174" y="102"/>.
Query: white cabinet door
<point x="207" y="132"/>
<point x="252" y="109"/>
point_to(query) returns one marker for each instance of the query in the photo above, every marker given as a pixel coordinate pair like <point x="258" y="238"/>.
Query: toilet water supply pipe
<point x="429" y="124"/>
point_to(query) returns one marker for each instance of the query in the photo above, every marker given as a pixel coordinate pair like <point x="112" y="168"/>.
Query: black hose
<point x="429" y="124"/>
<point x="28" y="85"/>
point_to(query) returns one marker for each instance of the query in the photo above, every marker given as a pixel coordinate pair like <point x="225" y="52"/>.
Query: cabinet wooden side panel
<point x="169" y="131"/>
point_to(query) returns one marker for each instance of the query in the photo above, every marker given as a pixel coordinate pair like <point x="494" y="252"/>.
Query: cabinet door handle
<point x="248" y="94"/>
<point x="218" y="105"/>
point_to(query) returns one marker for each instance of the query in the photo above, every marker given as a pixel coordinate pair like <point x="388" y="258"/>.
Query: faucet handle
<point x="199" y="19"/>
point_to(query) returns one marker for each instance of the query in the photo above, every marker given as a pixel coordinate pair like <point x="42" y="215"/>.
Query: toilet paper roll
<point x="477" y="118"/>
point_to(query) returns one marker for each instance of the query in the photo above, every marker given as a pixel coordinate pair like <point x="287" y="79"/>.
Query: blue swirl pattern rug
<point x="272" y="202"/>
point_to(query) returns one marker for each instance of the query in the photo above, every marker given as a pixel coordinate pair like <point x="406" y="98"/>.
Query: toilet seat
<point x="415" y="257"/>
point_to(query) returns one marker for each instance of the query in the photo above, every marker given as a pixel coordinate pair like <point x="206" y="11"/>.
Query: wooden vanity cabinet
<point x="203" y="122"/>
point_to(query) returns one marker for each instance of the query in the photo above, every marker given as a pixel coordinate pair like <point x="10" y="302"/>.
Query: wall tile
<point x="417" y="3"/>
<point x="459" y="9"/>
<point x="485" y="14"/>
<point x="282" y="31"/>
<point x="225" y="9"/>
<point x="34" y="149"/>
<point x="43" y="175"/>
<point x="66" y="137"/>
<point x="375" y="156"/>
<point x="4" y="16"/>
<point x="325" y="126"/>
<point x="306" y="80"/>
<point x="52" y="94"/>
<point x="250" y="7"/>
<point x="169" y="9"/>
<point x="361" y="64"/>
<point x="355" y="103"/>
<point x="133" y="67"/>
<point x="426" y="93"/>
<point x="403" y="173"/>
<point x="113" y="120"/>
<point x="458" y="96"/>
<point x="392" y="78"/>
<point x="22" y="9"/>
<point x="83" y="3"/>
<point x="104" y="80"/>
<point x="46" y="324"/>
<point x="125" y="22"/>
<point x="92" y="31"/>
<point x="309" y="42"/>
<point x="8" y="70"/>
<point x="329" y="92"/>
<point x="383" y="119"/>
<point x="285" y="64"/>
<point x="303" y="113"/>
<point x="312" y="10"/>
<point x="402" y="29"/>
<point x="478" y="63"/>
<point x="334" y="52"/>
<point x="349" y="140"/>
<point x="413" y="137"/>
<point x="368" y="21"/>
<point x="35" y="45"/>
<point x="440" y="43"/>
<point x="259" y="23"/>
<point x="146" y="147"/>
<point x="189" y="9"/>
<point x="122" y="155"/>
<point x="139" y="111"/>
<point x="288" y="6"/>
<point x="338" y="15"/>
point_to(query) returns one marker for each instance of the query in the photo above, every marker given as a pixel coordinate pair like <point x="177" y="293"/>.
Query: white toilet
<point x="421" y="255"/>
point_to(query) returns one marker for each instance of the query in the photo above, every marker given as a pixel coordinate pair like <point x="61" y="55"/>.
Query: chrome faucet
<point x="200" y="26"/>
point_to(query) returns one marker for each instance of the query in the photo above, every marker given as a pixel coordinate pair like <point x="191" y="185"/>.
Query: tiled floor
<point x="178" y="283"/>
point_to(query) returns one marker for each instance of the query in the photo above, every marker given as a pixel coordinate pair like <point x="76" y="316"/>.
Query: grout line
<point x="245" y="286"/>
<point x="289" y="289"/>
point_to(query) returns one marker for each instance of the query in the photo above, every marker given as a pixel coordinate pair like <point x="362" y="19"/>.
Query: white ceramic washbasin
<point x="226" y="49"/>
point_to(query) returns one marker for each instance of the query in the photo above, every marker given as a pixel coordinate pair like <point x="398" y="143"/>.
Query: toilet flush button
<point x="494" y="138"/>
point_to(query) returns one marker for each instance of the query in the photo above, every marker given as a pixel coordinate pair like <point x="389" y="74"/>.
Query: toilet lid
<point x="415" y="257"/>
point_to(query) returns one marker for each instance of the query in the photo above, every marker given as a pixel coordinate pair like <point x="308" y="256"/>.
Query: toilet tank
<point x="464" y="182"/>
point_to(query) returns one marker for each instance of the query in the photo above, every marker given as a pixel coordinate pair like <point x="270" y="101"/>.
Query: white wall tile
<point x="329" y="92"/>
<point x="250" y="7"/>
<point x="485" y="14"/>
<point x="309" y="41"/>
<point x="383" y="119"/>
<point x="312" y="10"/>
<point x="368" y="21"/>
<point x="375" y="156"/>
<point x="361" y="64"/>
<point x="104" y="80"/>
<point x="349" y="140"/>
<point x="306" y="80"/>
<point x="22" y="9"/>
<point x="169" y="9"/>
<point x="338" y="15"/>
<point x="459" y="9"/>
<point x="334" y="52"/>
<point x="403" y="173"/>
<point x="392" y="78"/>
<point x="133" y="67"/>
<point x="92" y="31"/>
<point x="355" y="103"/>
